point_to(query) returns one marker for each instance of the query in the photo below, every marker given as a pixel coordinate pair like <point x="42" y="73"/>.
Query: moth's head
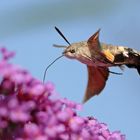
<point x="75" y="50"/>
<point x="70" y="51"/>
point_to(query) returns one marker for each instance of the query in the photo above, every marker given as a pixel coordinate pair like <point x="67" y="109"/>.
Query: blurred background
<point x="27" y="27"/>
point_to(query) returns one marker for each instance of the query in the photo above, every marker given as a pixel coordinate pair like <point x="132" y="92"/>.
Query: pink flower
<point x="30" y="111"/>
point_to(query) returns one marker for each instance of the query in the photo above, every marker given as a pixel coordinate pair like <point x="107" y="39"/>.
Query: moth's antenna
<point x="61" y="34"/>
<point x="49" y="66"/>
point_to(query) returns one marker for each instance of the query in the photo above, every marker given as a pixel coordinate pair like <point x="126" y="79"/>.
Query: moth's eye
<point x="72" y="51"/>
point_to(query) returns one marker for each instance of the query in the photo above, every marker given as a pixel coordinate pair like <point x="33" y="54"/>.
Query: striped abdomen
<point x="124" y="56"/>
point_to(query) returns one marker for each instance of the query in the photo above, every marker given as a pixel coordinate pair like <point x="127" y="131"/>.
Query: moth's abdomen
<point x="134" y="57"/>
<point x="128" y="57"/>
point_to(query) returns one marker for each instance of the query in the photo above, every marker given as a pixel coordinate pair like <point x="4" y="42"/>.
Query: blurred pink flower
<point x="29" y="112"/>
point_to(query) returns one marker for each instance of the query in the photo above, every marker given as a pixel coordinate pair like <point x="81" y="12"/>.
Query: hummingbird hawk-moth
<point x="99" y="57"/>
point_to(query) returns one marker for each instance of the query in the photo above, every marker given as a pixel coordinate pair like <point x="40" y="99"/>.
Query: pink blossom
<point x="29" y="110"/>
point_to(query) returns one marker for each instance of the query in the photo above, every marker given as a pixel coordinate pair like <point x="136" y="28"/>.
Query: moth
<point x="98" y="57"/>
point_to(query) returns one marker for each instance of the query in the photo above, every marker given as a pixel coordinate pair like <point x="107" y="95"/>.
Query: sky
<point x="27" y="27"/>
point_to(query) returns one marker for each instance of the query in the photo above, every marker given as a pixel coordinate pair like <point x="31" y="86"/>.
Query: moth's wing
<point x="93" y="41"/>
<point x="94" y="44"/>
<point x="97" y="78"/>
<point x="108" y="56"/>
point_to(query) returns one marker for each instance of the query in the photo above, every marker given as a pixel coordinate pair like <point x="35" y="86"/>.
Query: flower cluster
<point x="29" y="110"/>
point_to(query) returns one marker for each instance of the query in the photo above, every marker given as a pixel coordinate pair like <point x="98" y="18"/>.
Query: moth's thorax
<point x="83" y="53"/>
